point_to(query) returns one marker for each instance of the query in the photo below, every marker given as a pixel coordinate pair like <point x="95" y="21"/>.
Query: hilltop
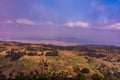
<point x="73" y="60"/>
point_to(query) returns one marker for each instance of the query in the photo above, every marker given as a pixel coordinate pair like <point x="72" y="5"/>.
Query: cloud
<point x="77" y="24"/>
<point x="7" y="21"/>
<point x="25" y="21"/>
<point x="105" y="26"/>
<point x="115" y="26"/>
<point x="28" y="22"/>
<point x="49" y="22"/>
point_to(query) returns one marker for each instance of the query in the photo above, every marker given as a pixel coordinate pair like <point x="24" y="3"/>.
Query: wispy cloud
<point x="107" y="26"/>
<point x="115" y="26"/>
<point x="77" y="24"/>
<point x="25" y="21"/>
<point x="28" y="22"/>
<point x="7" y="21"/>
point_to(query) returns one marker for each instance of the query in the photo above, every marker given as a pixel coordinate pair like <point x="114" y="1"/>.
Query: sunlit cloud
<point x="115" y="26"/>
<point x="28" y="22"/>
<point x="77" y="24"/>
<point x="25" y="21"/>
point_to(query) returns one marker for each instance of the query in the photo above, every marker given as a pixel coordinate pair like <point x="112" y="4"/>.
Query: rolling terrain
<point x="72" y="60"/>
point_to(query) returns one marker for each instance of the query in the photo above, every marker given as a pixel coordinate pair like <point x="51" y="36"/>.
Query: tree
<point x="85" y="70"/>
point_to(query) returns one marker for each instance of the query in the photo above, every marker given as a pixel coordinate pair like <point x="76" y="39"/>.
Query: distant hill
<point x="53" y="42"/>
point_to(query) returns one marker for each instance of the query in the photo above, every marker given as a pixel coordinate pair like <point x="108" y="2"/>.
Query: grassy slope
<point x="66" y="61"/>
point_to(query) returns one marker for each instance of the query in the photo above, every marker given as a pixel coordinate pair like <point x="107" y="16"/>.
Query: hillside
<point x="73" y="60"/>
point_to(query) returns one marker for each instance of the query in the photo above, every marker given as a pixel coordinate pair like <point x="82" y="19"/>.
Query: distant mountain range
<point x="53" y="42"/>
<point x="67" y="41"/>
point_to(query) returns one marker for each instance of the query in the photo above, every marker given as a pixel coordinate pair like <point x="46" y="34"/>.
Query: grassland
<point x="22" y="57"/>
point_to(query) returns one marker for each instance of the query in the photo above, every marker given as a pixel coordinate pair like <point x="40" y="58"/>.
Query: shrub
<point x="96" y="77"/>
<point x="85" y="70"/>
<point x="52" y="53"/>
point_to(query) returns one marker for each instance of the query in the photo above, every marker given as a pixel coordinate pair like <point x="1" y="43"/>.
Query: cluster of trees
<point x="112" y="49"/>
<point x="36" y="75"/>
<point x="66" y="47"/>
<point x="52" y="53"/>
<point x="82" y="71"/>
<point x="30" y="48"/>
<point x="97" y="55"/>
<point x="14" y="55"/>
<point x="39" y="48"/>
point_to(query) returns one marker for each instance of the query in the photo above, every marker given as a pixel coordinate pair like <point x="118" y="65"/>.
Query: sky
<point x="77" y="21"/>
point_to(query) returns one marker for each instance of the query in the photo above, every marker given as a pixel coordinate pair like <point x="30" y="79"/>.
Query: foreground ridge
<point x="26" y="61"/>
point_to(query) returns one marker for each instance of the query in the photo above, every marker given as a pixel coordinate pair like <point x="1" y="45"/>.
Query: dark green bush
<point x="85" y="70"/>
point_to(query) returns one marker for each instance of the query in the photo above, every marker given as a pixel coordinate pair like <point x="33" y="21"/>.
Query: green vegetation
<point x="21" y="61"/>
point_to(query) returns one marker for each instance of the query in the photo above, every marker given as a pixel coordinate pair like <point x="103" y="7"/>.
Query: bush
<point x="96" y="77"/>
<point x="14" y="55"/>
<point x="52" y="53"/>
<point x="85" y="70"/>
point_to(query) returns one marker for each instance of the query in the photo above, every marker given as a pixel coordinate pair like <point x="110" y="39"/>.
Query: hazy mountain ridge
<point x="58" y="40"/>
<point x="42" y="41"/>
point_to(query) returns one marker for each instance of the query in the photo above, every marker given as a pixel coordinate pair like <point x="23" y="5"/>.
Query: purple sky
<point x="78" y="21"/>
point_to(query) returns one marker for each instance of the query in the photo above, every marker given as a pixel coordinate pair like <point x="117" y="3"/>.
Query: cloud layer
<point x="78" y="24"/>
<point x="88" y="21"/>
